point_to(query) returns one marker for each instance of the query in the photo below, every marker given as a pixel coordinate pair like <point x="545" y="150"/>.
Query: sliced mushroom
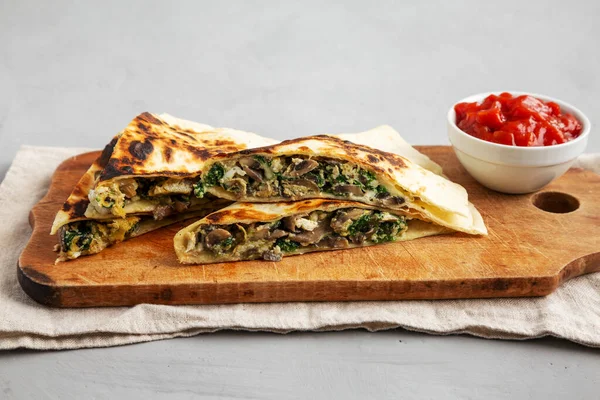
<point x="307" y="184"/>
<point x="261" y="232"/>
<point x="303" y="167"/>
<point x="393" y="201"/>
<point x="371" y="231"/>
<point x="215" y="237"/>
<point x="256" y="175"/>
<point x="249" y="162"/>
<point x="343" y="219"/>
<point x="353" y="213"/>
<point x="349" y="189"/>
<point x="363" y="179"/>
<point x="335" y="242"/>
<point x="129" y="187"/>
<point x="256" y="165"/>
<point x="290" y="223"/>
<point x="277" y="233"/>
<point x="309" y="237"/>
<point x="315" y="178"/>
<point x="180" y="205"/>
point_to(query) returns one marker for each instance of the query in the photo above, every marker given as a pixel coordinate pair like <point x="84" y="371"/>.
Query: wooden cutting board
<point x="529" y="252"/>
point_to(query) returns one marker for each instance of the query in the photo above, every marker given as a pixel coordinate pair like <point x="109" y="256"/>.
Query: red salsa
<point x="517" y="121"/>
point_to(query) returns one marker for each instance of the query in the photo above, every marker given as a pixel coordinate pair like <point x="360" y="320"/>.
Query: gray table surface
<point x="73" y="74"/>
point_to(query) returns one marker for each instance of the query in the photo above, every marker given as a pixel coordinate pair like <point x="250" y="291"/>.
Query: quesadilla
<point x="155" y="166"/>
<point x="80" y="236"/>
<point x="147" y="177"/>
<point x="269" y="231"/>
<point x="327" y="167"/>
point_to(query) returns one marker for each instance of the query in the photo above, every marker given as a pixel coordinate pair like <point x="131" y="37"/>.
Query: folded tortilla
<point x="328" y="167"/>
<point x="387" y="139"/>
<point x="147" y="177"/>
<point x="270" y="231"/>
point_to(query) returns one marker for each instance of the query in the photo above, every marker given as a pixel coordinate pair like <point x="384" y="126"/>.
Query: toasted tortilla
<point x="153" y="146"/>
<point x="191" y="242"/>
<point x="386" y="138"/>
<point x="74" y="207"/>
<point x="420" y="191"/>
<point x="162" y="145"/>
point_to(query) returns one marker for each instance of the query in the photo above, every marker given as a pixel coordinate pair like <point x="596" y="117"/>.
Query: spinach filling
<point x="199" y="189"/>
<point x="215" y="174"/>
<point x="318" y="230"/>
<point x="299" y="177"/>
<point x="90" y="237"/>
<point x="167" y="195"/>
<point x="79" y="236"/>
<point x="385" y="231"/>
<point x="287" y="246"/>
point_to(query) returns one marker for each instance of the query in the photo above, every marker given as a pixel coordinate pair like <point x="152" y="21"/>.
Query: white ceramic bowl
<point x="513" y="169"/>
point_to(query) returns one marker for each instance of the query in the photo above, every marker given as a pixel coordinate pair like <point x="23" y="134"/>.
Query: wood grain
<point x="529" y="252"/>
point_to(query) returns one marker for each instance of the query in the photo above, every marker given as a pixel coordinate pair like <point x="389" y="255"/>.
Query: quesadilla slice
<point x="79" y="235"/>
<point x="146" y="177"/>
<point x="87" y="236"/>
<point x="270" y="231"/>
<point x="156" y="163"/>
<point x="327" y="167"/>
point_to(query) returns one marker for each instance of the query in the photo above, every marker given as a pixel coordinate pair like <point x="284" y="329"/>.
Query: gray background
<point x="73" y="74"/>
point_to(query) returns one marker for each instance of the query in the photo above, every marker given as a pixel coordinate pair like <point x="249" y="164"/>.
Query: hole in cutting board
<point x="555" y="202"/>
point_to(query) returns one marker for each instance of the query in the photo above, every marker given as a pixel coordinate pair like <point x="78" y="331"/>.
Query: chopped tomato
<point x="517" y="121"/>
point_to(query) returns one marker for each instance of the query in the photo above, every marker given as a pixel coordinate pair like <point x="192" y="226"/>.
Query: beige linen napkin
<point x="572" y="312"/>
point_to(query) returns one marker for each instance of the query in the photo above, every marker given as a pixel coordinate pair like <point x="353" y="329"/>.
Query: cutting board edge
<point x="40" y="287"/>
